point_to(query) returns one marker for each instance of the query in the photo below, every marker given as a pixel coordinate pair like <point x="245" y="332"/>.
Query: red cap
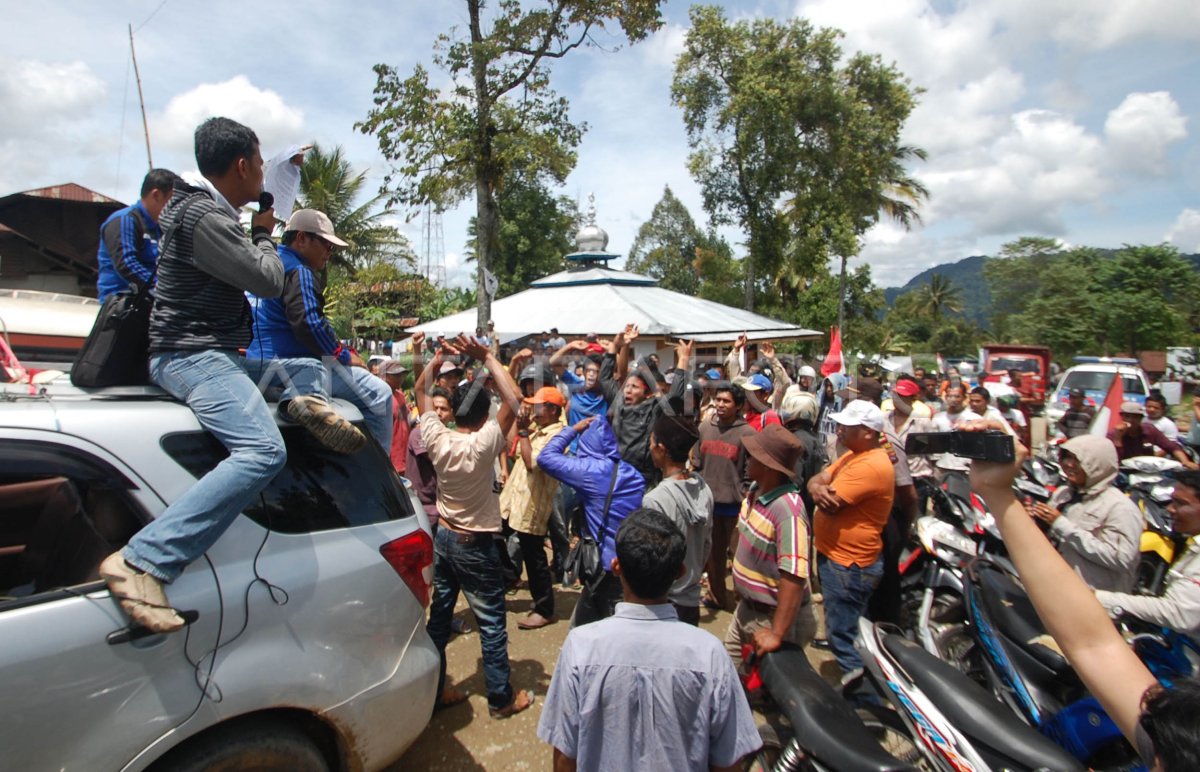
<point x="906" y="388"/>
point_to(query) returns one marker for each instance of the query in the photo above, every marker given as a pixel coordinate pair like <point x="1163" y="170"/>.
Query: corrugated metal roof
<point x="70" y="191"/>
<point x="593" y="275"/>
<point x="605" y="308"/>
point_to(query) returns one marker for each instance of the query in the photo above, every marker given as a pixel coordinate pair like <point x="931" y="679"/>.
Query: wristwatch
<point x="523" y="433"/>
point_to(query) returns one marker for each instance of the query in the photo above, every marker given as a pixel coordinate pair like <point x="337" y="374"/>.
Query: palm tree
<point x="329" y="184"/>
<point x="939" y="296"/>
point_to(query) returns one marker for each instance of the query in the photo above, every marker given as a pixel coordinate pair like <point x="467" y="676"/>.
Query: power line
<point x="151" y="16"/>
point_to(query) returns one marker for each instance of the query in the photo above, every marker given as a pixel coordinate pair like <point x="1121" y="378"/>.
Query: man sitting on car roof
<point x="292" y="334"/>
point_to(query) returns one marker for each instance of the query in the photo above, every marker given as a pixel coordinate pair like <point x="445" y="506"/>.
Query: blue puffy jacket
<point x="589" y="472"/>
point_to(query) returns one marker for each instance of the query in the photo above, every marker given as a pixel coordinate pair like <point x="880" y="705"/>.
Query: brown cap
<point x="775" y="447"/>
<point x="393" y="367"/>
<point x="547" y="394"/>
<point x="317" y="223"/>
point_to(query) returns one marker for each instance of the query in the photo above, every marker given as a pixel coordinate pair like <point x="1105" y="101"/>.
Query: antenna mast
<point x="141" y="101"/>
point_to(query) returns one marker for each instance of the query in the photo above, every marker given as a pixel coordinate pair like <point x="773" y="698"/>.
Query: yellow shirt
<point x="528" y="497"/>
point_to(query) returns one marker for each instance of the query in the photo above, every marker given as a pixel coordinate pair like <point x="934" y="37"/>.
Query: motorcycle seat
<point x="975" y="713"/>
<point x="1013" y="615"/>
<point x="824" y="724"/>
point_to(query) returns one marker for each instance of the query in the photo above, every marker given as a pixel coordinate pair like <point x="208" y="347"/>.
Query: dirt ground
<point x="465" y="737"/>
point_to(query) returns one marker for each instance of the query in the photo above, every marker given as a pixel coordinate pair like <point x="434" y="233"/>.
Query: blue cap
<point x="713" y="374"/>
<point x="758" y="381"/>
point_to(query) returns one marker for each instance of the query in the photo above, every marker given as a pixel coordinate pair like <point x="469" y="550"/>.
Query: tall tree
<point x="536" y="229"/>
<point x="773" y="113"/>
<point x="329" y="184"/>
<point x="498" y="112"/>
<point x="665" y="246"/>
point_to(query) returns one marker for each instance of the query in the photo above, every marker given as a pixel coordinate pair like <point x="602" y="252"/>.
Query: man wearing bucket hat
<point x="854" y="498"/>
<point x="771" y="560"/>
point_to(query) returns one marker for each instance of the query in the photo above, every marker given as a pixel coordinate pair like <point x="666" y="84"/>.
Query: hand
<point x="993" y="478"/>
<point x="298" y="158"/>
<point x="683" y="354"/>
<point x="578" y="345"/>
<point x="471" y="347"/>
<point x="263" y="219"/>
<point x="1046" y="513"/>
<point x="766" y="641"/>
<point x="740" y="343"/>
<point x="1121" y="428"/>
<point x="418" y="340"/>
<point x="767" y="349"/>
<point x="827" y="499"/>
<point x="584" y="424"/>
<point x="631" y="333"/>
<point x="523" y="418"/>
<point x="521" y="357"/>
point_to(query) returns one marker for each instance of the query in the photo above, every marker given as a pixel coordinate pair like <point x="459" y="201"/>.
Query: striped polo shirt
<point x="772" y="538"/>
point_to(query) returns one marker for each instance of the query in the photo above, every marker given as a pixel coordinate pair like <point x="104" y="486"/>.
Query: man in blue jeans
<point x="295" y="343"/>
<point x="199" y="321"/>
<point x="853" y="497"/>
<point x="466" y="549"/>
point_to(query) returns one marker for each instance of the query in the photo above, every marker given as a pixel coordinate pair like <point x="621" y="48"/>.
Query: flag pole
<point x="141" y="101"/>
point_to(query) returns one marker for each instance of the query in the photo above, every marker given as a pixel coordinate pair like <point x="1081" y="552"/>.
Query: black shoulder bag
<point x="117" y="350"/>
<point x="583" y="561"/>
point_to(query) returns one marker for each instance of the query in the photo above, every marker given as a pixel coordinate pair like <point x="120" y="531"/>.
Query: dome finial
<point x="591" y="237"/>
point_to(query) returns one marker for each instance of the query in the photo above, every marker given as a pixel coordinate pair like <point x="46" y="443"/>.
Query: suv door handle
<point x="137" y="632"/>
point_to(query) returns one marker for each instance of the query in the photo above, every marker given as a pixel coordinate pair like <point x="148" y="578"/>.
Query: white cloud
<point x="1101" y="24"/>
<point x="274" y="121"/>
<point x="1185" y="231"/>
<point x="37" y="95"/>
<point x="1141" y="128"/>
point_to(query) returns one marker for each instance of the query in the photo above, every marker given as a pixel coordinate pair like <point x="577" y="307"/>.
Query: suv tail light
<point x="411" y="557"/>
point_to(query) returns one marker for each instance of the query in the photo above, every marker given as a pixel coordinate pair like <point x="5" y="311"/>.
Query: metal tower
<point x="433" y="246"/>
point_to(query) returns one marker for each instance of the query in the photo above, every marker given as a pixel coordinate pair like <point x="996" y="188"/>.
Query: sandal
<point x="711" y="603"/>
<point x="522" y="700"/>
<point x="450" y="697"/>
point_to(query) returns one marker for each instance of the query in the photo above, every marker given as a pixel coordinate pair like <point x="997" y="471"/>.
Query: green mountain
<point x="967" y="275"/>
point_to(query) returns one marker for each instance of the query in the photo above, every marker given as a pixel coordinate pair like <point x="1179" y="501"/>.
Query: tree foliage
<point x="1081" y="301"/>
<point x="496" y="113"/>
<point x="671" y="248"/>
<point x="328" y="184"/>
<point x="536" y="229"/>
<point x="773" y="113"/>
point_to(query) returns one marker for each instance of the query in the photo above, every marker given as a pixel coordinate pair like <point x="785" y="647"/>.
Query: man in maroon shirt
<point x="393" y="372"/>
<point x="1133" y="437"/>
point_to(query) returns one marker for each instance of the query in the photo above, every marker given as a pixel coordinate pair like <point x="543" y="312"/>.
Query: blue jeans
<point x="847" y="589"/>
<point x="228" y="404"/>
<point x="329" y="378"/>
<point x="471" y="563"/>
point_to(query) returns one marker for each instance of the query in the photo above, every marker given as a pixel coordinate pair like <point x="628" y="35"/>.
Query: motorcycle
<point x="956" y="724"/>
<point x="1145" y="480"/>
<point x="822" y="731"/>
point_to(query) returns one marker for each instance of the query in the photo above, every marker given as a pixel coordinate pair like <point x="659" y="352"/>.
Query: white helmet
<point x="806" y="371"/>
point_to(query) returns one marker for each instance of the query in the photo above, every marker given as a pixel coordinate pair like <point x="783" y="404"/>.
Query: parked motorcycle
<point x="822" y="731"/>
<point x="1145" y="479"/>
<point x="957" y="724"/>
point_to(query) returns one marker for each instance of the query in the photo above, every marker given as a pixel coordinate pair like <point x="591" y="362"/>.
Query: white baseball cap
<point x="317" y="223"/>
<point x="860" y="413"/>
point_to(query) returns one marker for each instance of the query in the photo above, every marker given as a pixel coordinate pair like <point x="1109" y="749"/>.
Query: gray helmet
<point x="541" y="374"/>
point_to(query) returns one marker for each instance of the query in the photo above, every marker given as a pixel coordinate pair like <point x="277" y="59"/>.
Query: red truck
<point x="996" y="360"/>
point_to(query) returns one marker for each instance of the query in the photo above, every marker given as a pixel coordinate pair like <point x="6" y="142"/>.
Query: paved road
<point x="465" y="737"/>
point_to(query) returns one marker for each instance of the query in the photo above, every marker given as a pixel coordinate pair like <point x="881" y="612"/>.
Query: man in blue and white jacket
<point x="292" y="333"/>
<point x="129" y="237"/>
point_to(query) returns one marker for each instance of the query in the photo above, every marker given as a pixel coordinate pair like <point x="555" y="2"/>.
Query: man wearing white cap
<point x="294" y="342"/>
<point x="853" y="497"/>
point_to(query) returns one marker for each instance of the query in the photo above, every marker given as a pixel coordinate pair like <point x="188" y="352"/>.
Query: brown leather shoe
<point x="141" y="595"/>
<point x="534" y="620"/>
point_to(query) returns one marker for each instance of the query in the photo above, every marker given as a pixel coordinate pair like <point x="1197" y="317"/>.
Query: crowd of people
<point x="746" y="484"/>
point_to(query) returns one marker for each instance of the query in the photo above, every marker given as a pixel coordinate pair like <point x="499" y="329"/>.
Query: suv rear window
<point x="318" y="490"/>
<point x="1099" y="380"/>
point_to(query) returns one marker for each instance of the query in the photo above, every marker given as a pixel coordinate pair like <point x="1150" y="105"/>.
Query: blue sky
<point x="1062" y="118"/>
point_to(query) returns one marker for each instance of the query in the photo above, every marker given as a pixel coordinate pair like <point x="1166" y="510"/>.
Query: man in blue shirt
<point x="642" y="690"/>
<point x="129" y="237"/>
<point x="294" y="341"/>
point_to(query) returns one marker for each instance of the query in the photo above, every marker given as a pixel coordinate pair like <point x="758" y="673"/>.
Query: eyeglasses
<point x="329" y="247"/>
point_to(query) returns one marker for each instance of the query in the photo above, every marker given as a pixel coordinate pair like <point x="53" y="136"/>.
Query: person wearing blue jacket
<point x="590" y="473"/>
<point x="129" y="237"/>
<point x="291" y="332"/>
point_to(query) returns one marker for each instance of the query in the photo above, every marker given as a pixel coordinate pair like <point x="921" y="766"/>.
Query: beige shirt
<point x="464" y="465"/>
<point x="528" y="497"/>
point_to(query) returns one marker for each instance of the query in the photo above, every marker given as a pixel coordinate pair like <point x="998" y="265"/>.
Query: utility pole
<point x="137" y="76"/>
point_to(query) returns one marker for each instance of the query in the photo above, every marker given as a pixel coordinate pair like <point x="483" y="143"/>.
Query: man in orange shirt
<point x="853" y="496"/>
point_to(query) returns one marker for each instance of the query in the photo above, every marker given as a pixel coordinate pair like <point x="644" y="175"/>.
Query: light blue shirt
<point x="643" y="691"/>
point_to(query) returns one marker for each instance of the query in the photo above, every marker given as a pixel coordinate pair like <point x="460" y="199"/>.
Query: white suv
<point x="308" y="648"/>
<point x="1095" y="378"/>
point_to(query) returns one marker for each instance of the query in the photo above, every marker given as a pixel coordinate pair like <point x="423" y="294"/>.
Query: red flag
<point x="1109" y="414"/>
<point x="833" y="360"/>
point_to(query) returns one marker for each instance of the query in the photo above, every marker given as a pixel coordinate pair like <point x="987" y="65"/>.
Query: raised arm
<point x="556" y="359"/>
<point x="622" y="348"/>
<point x="422" y="386"/>
<point x="782" y="379"/>
<point x="1067" y="606"/>
<point x="510" y="394"/>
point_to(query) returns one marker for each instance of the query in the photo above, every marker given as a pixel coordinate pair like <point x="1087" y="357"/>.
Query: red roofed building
<point x="49" y="237"/>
